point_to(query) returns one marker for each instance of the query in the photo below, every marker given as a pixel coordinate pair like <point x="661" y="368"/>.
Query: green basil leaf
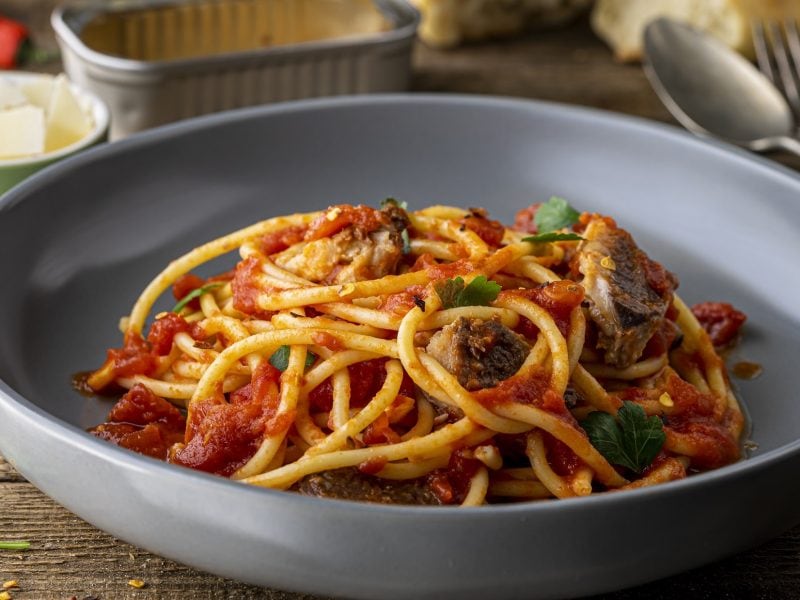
<point x="552" y="236"/>
<point x="555" y="214"/>
<point x="195" y="293"/>
<point x="632" y="440"/>
<point x="479" y="292"/>
<point x="280" y="358"/>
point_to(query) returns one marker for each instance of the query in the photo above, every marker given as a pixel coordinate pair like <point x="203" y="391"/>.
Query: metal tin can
<point x="157" y="61"/>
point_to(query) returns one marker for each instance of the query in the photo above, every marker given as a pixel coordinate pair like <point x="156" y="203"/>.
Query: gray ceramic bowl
<point x="79" y="240"/>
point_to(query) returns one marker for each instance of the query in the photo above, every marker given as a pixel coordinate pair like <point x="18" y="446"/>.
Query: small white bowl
<point x="14" y="170"/>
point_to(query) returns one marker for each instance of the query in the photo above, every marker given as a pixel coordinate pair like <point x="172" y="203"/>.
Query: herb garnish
<point x="552" y="236"/>
<point x="280" y="358"/>
<point x="406" y="241"/>
<point x="555" y="214"/>
<point x="394" y="202"/>
<point x="479" y="292"/>
<point x="404" y="233"/>
<point x="195" y="293"/>
<point x="14" y="545"/>
<point x="632" y="440"/>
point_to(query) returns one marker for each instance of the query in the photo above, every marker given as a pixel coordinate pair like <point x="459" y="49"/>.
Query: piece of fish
<point x="480" y="353"/>
<point x="351" y="254"/>
<point x="628" y="294"/>
<point x="350" y="484"/>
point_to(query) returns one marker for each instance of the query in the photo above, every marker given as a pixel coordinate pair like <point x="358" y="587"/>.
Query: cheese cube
<point x="67" y="122"/>
<point x="10" y="95"/>
<point x="39" y="91"/>
<point x="22" y="131"/>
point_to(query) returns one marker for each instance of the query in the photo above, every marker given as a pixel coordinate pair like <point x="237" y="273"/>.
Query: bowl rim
<point x="73" y="435"/>
<point x="100" y="114"/>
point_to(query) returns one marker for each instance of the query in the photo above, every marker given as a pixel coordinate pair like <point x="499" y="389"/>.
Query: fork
<point x="777" y="47"/>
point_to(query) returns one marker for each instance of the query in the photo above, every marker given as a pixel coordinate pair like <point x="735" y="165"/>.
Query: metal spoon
<point x="714" y="91"/>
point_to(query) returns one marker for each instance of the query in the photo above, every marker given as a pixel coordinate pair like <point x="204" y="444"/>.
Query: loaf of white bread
<point x="447" y="23"/>
<point x="621" y="23"/>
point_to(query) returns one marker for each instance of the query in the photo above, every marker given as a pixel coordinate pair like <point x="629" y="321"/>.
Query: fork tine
<point x="785" y="66"/>
<point x="762" y="51"/>
<point x="793" y="38"/>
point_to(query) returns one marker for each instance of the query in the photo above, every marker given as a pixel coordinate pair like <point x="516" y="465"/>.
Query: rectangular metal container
<point x="157" y="61"/>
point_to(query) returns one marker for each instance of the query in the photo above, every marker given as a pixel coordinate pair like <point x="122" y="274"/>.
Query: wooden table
<point x="70" y="558"/>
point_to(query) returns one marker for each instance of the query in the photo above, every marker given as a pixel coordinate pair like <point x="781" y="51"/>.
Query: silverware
<point x="713" y="91"/>
<point x="777" y="47"/>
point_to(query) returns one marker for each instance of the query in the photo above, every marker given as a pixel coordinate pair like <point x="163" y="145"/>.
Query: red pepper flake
<point x="373" y="465"/>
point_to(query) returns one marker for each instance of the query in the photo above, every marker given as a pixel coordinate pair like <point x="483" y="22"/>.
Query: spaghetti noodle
<point x="432" y="357"/>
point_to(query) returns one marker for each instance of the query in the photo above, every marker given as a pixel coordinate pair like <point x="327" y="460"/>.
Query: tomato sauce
<point x="692" y="415"/>
<point x="531" y="387"/>
<point x="402" y="302"/>
<point x="246" y="290"/>
<point x="560" y="457"/>
<point x="525" y="219"/>
<point x="713" y="444"/>
<point x="134" y="358"/>
<point x="143" y="422"/>
<point x="449" y="270"/>
<point x="661" y="341"/>
<point x="363" y="218"/>
<point x="558" y="298"/>
<point x="221" y="437"/>
<point x="163" y="332"/>
<point x="380" y="432"/>
<point x="327" y="340"/>
<point x="373" y="465"/>
<point x="280" y="240"/>
<point x="184" y="285"/>
<point x="720" y="320"/>
<point x="661" y="281"/>
<point x="451" y="484"/>
<point x="366" y="378"/>
<point x="488" y="230"/>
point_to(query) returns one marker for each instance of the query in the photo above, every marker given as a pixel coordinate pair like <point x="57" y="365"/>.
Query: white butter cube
<point x="67" y="122"/>
<point x="39" y="91"/>
<point x="10" y="95"/>
<point x="22" y="131"/>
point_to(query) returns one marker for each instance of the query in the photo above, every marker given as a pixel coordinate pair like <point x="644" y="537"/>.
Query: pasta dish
<point x="426" y="357"/>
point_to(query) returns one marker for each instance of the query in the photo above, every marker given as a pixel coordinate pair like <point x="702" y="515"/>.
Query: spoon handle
<point x="789" y="144"/>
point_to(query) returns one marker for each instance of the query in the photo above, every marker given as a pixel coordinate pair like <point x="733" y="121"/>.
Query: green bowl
<point x="13" y="171"/>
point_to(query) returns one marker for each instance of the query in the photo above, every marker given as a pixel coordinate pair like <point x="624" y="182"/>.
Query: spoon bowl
<point x="713" y="91"/>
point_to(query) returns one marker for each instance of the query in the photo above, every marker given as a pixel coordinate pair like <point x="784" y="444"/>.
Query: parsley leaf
<point x="406" y="241"/>
<point x="280" y="358"/>
<point x="14" y="545"/>
<point x="479" y="292"/>
<point x="555" y="214"/>
<point x="195" y="293"/>
<point x="394" y="202"/>
<point x="632" y="440"/>
<point x="552" y="236"/>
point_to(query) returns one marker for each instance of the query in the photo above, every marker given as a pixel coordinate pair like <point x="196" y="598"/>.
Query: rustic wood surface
<point x="69" y="558"/>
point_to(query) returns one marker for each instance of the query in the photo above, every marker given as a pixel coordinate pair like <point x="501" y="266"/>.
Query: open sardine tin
<point x="156" y="61"/>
